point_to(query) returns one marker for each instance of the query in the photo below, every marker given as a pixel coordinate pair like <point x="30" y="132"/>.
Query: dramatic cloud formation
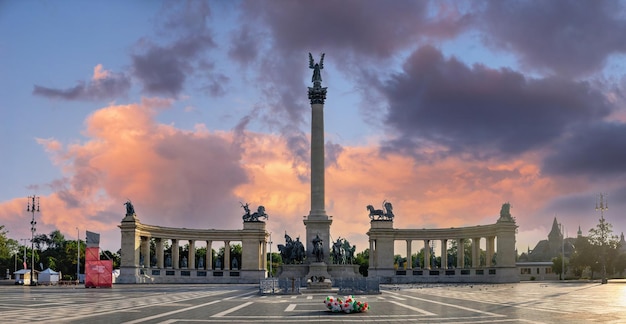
<point x="567" y="37"/>
<point x="163" y="69"/>
<point x="479" y="110"/>
<point x="447" y="109"/>
<point x="104" y="85"/>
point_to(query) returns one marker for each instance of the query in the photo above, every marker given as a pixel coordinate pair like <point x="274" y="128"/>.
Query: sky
<point x="447" y="109"/>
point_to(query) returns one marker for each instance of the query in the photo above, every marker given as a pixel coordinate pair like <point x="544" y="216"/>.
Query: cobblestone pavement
<point x="532" y="302"/>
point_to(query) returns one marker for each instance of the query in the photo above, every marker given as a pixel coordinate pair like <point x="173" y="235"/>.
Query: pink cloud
<point x="100" y="73"/>
<point x="196" y="179"/>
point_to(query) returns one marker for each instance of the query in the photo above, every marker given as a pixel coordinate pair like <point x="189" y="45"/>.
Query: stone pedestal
<point x="318" y="277"/>
<point x="317" y="226"/>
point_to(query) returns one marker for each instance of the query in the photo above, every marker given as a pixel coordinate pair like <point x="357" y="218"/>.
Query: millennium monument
<point x="156" y="254"/>
<point x="317" y="222"/>
<point x="318" y="264"/>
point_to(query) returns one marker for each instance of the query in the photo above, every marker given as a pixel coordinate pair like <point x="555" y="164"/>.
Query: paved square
<point x="532" y="302"/>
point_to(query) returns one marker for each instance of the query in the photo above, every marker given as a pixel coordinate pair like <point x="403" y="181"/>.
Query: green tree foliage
<point x="9" y="250"/>
<point x="453" y="253"/>
<point x="584" y="257"/>
<point x="51" y="251"/>
<point x="604" y="242"/>
<point x="276" y="260"/>
<point x="363" y="260"/>
<point x="235" y="254"/>
<point x="620" y="264"/>
<point x="557" y="266"/>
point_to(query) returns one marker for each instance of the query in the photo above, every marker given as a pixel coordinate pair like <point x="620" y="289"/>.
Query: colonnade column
<point x="209" y="255"/>
<point x="175" y="256"/>
<point x="444" y="254"/>
<point x="145" y="251"/>
<point x="460" y="253"/>
<point x="159" y="252"/>
<point x="226" y="255"/>
<point x="192" y="254"/>
<point x="372" y="261"/>
<point x="263" y="254"/>
<point x="476" y="252"/>
<point x="426" y="254"/>
<point x="409" y="258"/>
<point x="490" y="249"/>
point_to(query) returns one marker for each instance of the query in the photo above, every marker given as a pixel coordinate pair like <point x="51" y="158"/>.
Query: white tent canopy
<point x="48" y="277"/>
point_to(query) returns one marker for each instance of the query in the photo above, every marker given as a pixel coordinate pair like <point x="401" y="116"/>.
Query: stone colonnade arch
<point x="382" y="237"/>
<point x="136" y="267"/>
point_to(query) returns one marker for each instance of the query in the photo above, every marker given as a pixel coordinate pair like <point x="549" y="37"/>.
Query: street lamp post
<point x="24" y="240"/>
<point x="32" y="206"/>
<point x="270" y="255"/>
<point x="562" y="251"/>
<point x="77" y="256"/>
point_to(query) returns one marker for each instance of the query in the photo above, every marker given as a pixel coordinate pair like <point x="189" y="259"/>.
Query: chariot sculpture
<point x="381" y="214"/>
<point x="253" y="217"/>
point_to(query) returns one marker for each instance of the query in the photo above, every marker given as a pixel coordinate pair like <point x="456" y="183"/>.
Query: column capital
<point x="317" y="94"/>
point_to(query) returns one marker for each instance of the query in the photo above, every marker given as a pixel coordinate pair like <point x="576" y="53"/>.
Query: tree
<point x="620" y="265"/>
<point x="275" y="261"/>
<point x="9" y="249"/>
<point x="115" y="257"/>
<point x="235" y="254"/>
<point x="600" y="237"/>
<point x="363" y="260"/>
<point x="57" y="240"/>
<point x="453" y="253"/>
<point x="584" y="257"/>
<point x="557" y="266"/>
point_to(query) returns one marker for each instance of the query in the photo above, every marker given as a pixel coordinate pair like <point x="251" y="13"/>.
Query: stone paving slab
<point x="532" y="302"/>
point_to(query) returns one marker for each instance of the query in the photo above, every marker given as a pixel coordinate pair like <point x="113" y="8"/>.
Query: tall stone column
<point x="476" y="252"/>
<point x="506" y="243"/>
<point x="372" y="259"/>
<point x="192" y="254"/>
<point x="444" y="254"/>
<point x="175" y="255"/>
<point x="129" y="256"/>
<point x="226" y="255"/>
<point x="460" y="253"/>
<point x="145" y="251"/>
<point x="490" y="249"/>
<point x="159" y="252"/>
<point x="263" y="261"/>
<point x="209" y="255"/>
<point x="317" y="223"/>
<point x="409" y="258"/>
<point x="426" y="254"/>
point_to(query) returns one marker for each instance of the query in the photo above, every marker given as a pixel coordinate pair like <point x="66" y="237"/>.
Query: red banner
<point x="98" y="273"/>
<point x="92" y="254"/>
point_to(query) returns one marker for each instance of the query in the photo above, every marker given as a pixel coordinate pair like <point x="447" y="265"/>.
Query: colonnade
<point x="174" y="260"/>
<point x="460" y="256"/>
<point x="498" y="237"/>
<point x="137" y="258"/>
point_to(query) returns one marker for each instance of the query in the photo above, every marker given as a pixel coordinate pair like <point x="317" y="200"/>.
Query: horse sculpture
<point x="292" y="251"/>
<point x="338" y="254"/>
<point x="247" y="217"/>
<point x="343" y="252"/>
<point x="379" y="214"/>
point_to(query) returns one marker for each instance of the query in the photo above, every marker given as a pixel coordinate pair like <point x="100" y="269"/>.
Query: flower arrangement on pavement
<point x="347" y="305"/>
